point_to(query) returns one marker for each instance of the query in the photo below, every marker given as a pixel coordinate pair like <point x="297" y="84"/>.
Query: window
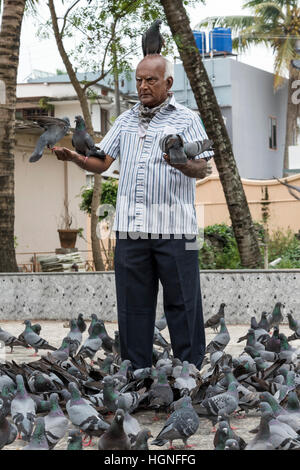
<point x="272" y="133"/>
<point x="31" y="113"/>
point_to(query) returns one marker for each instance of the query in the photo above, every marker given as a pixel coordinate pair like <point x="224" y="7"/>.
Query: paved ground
<point x="53" y="332"/>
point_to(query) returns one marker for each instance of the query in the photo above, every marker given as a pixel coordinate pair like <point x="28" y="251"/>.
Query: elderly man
<point x="155" y="220"/>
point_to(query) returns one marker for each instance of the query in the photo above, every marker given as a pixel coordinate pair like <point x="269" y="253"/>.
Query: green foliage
<point x="286" y="246"/>
<point x="220" y="249"/>
<point x="108" y="196"/>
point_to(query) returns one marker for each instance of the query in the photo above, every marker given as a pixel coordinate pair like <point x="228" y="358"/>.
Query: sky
<point x="41" y="54"/>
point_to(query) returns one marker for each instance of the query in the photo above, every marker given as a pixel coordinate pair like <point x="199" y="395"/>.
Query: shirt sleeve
<point x="110" y="143"/>
<point x="196" y="132"/>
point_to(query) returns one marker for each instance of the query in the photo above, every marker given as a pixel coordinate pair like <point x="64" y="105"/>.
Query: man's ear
<point x="169" y="83"/>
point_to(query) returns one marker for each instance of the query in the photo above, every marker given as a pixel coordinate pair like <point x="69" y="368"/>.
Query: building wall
<point x="284" y="210"/>
<point x="39" y="198"/>
<point x="253" y="101"/>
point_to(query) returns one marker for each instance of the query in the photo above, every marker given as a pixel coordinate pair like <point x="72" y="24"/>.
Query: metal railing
<point x="34" y="265"/>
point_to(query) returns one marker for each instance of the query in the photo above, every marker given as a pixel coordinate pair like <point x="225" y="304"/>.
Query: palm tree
<point x="275" y="23"/>
<point x="13" y="11"/>
<point x="214" y="124"/>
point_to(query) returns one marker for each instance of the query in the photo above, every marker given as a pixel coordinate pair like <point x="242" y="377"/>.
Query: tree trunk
<point x="291" y="117"/>
<point x="98" y="261"/>
<point x="13" y="11"/>
<point x="211" y="115"/>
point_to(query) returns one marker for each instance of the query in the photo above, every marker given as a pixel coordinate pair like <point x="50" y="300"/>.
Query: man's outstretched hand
<point x="65" y="154"/>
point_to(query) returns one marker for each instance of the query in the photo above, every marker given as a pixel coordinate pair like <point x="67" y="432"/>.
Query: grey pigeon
<point x="282" y="436"/>
<point x="231" y="444"/>
<point x="121" y="377"/>
<point x="192" y="149"/>
<point x="111" y="395"/>
<point x="8" y="431"/>
<point x="74" y="440"/>
<point x="92" y="344"/>
<point x="159" y="340"/>
<point x="81" y="323"/>
<point x="221" y="340"/>
<point x="55" y="129"/>
<point x="34" y="340"/>
<point x="152" y="40"/>
<point x="185" y="381"/>
<point x="94" y="319"/>
<point x="141" y="442"/>
<point x="160" y="394"/>
<point x="182" y="424"/>
<point x="56" y="424"/>
<point x="263" y="323"/>
<point x="63" y="352"/>
<point x="23" y="410"/>
<point x="75" y="336"/>
<point x="281" y="413"/>
<point x="225" y="432"/>
<point x="83" y="142"/>
<point x="214" y="320"/>
<point x="276" y="317"/>
<point x="10" y="340"/>
<point x="172" y="145"/>
<point x="223" y="404"/>
<point x="262" y="439"/>
<point x="38" y="439"/>
<point x="83" y="414"/>
<point x="131" y="425"/>
<point x="115" y="438"/>
<point x="161" y="323"/>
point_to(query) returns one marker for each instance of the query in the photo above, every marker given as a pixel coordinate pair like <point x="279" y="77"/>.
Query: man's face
<point x="151" y="86"/>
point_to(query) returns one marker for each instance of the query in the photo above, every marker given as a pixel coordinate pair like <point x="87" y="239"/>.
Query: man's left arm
<point x="193" y="168"/>
<point x="197" y="167"/>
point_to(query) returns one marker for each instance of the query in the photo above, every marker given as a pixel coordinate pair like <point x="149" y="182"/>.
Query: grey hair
<point x="169" y="69"/>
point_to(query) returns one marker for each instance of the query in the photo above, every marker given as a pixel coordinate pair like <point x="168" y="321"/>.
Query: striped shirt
<point x="152" y="196"/>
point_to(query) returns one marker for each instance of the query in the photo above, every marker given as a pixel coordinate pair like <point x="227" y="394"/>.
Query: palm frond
<point x="235" y="22"/>
<point x="284" y="54"/>
<point x="270" y="12"/>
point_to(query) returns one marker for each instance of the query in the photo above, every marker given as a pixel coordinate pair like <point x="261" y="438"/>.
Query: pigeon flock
<point x="84" y="395"/>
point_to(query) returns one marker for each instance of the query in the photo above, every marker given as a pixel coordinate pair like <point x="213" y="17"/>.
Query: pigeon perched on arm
<point x="152" y="40"/>
<point x="179" y="152"/>
<point x="83" y="142"/>
<point x="55" y="130"/>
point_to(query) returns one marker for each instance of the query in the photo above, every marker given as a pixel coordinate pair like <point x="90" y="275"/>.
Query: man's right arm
<point x="92" y="164"/>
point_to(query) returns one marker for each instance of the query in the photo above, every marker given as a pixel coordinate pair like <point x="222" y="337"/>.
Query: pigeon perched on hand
<point x="180" y="152"/>
<point x="152" y="40"/>
<point x="83" y="142"/>
<point x="55" y="130"/>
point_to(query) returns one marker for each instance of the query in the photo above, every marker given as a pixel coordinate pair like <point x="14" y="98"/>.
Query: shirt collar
<point x="172" y="104"/>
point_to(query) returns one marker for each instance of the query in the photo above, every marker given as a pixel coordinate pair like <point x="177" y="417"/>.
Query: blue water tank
<point x="200" y="39"/>
<point x="220" y="39"/>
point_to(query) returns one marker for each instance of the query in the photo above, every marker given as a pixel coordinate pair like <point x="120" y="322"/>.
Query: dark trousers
<point x="139" y="265"/>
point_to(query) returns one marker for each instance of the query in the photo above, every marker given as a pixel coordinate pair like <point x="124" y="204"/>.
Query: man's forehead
<point x="150" y="69"/>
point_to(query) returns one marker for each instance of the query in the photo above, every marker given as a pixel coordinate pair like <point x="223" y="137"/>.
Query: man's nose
<point x="143" y="84"/>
